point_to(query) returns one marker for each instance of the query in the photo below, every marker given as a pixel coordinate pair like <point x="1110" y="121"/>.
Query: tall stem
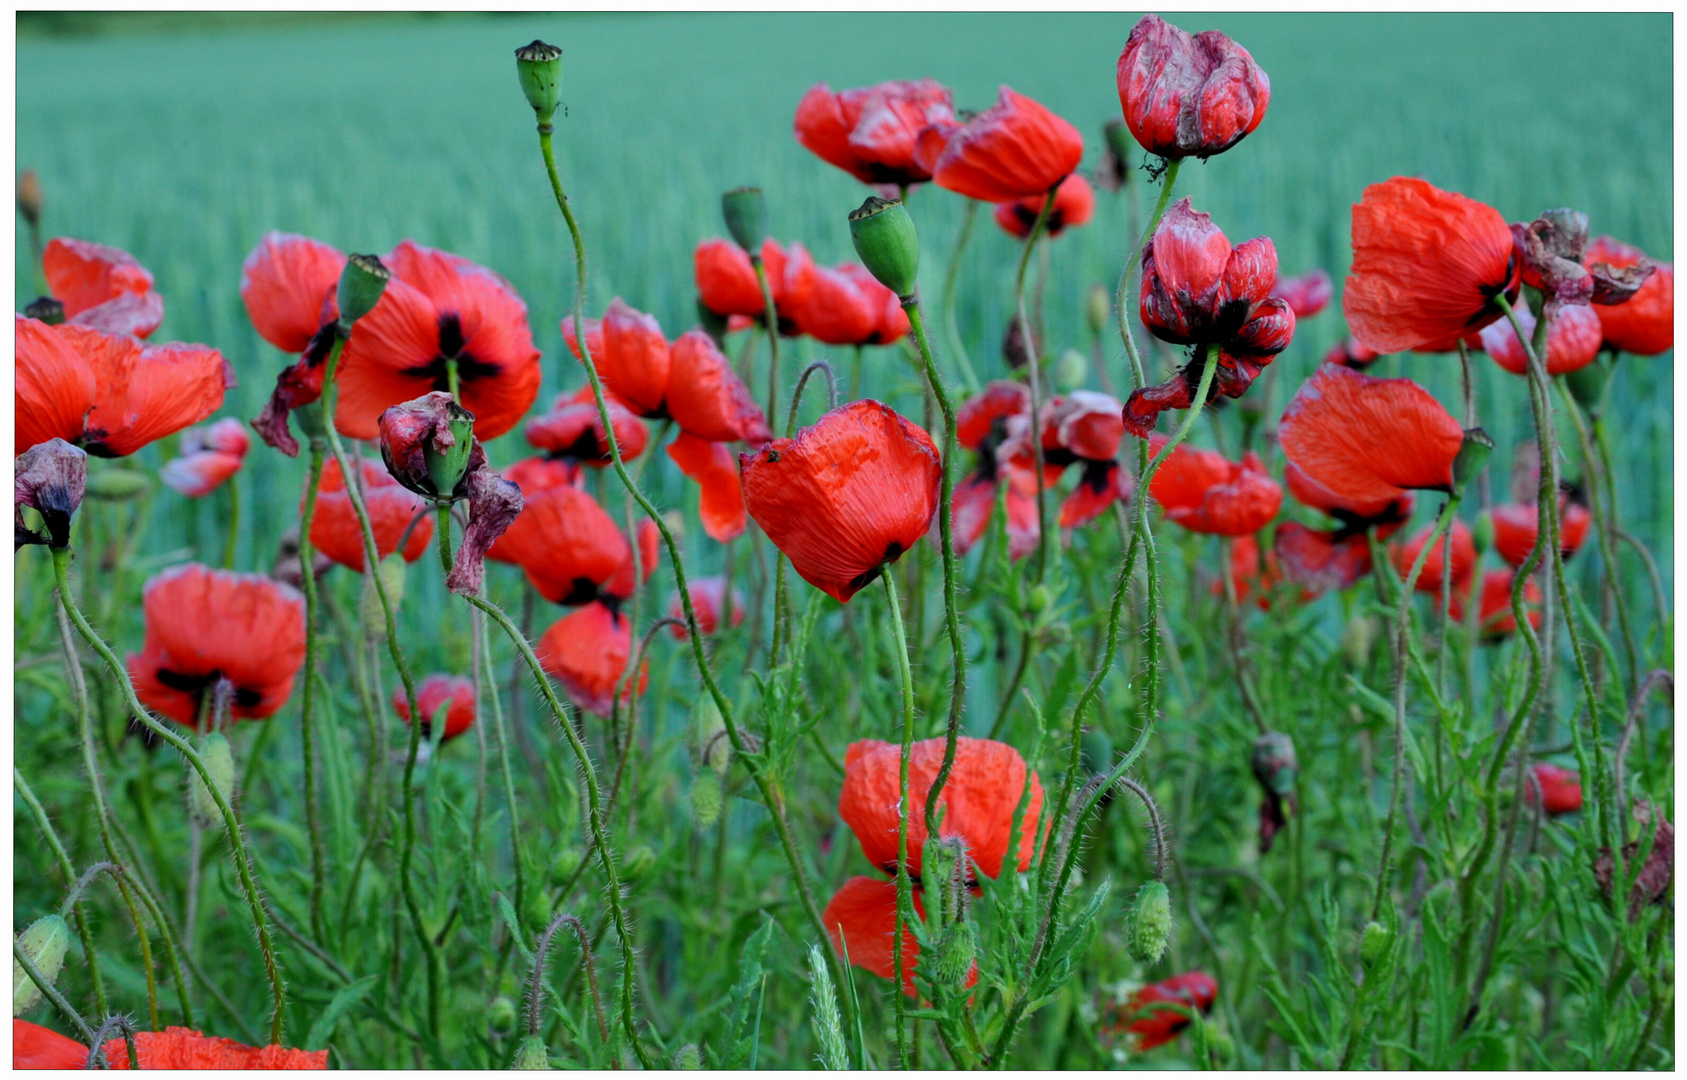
<point x="771" y="315"/>
<point x="1132" y="260"/>
<point x="307" y="559"/>
<point x="904" y="883"/>
<point x="1033" y="369"/>
<point x="968" y="217"/>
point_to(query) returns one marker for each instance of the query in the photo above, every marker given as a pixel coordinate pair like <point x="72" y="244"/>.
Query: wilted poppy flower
<point x="573" y="429"/>
<point x="974" y="501"/>
<point x="1427" y="265"/>
<point x="336" y="532"/>
<point x="36" y="1047"/>
<point x="1572" y="341"/>
<point x="869" y="132"/>
<point x="204" y="626"/>
<point x="1644" y="323"/>
<point x="452" y="693"/>
<point x="587" y="650"/>
<point x="1351" y="354"/>
<point x="1198" y="290"/>
<point x="1555" y="790"/>
<point x="1494" y="617"/>
<point x="207" y="457"/>
<point x="1369" y="439"/>
<point x="706" y="397"/>
<point x="847" y="496"/>
<point x="439" y="309"/>
<point x="721" y="494"/>
<point x="1429" y="578"/>
<point x="861" y="921"/>
<point x="51" y="478"/>
<point x="620" y="587"/>
<point x="707" y="598"/>
<point x="102" y="288"/>
<point x="1188" y="96"/>
<point x="1015" y="149"/>
<point x="568" y="545"/>
<point x="1515" y="525"/>
<point x="1074" y="205"/>
<point x="1307" y="294"/>
<point x="1146" y="1016"/>
<point x="1206" y="493"/>
<point x="1655" y="876"/>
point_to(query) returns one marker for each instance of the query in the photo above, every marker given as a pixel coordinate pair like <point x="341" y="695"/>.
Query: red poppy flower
<point x="573" y="429"/>
<point x="1154" y="1026"/>
<point x="102" y="288"/>
<point x="1643" y="324"/>
<point x="847" y="496"/>
<point x="721" y="501"/>
<point x="984" y="416"/>
<point x="289" y="285"/>
<point x="1188" y="96"/>
<point x="568" y="545"/>
<point x="1556" y="790"/>
<point x="633" y="360"/>
<point x="35" y="1047"/>
<point x="1494" y="617"/>
<point x="974" y="501"/>
<point x="452" y="693"/>
<point x="1572" y="342"/>
<point x="1082" y="428"/>
<point x="204" y="626"/>
<point x="726" y="282"/>
<point x="707" y="597"/>
<point x="846" y="305"/>
<point x="1369" y="439"/>
<point x="1307" y="294"/>
<point x="439" y="307"/>
<point x="336" y="532"/>
<point x="594" y="337"/>
<point x="207" y="458"/>
<point x="1427" y="265"/>
<point x="1198" y="290"/>
<point x="891" y="321"/>
<point x="861" y="920"/>
<point x="1355" y="515"/>
<point x="1351" y="354"/>
<point x="1205" y="493"/>
<point x="535" y="474"/>
<point x="869" y="132"/>
<point x="587" y="650"/>
<point x="1074" y="205"/>
<point x="1253" y="577"/>
<point x="706" y="397"/>
<point x="1320" y="561"/>
<point x="55" y="385"/>
<point x="1429" y="578"/>
<point x="620" y="586"/>
<point x="1013" y="150"/>
<point x="1515" y="525"/>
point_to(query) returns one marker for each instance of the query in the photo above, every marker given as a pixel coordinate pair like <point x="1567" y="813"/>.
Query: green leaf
<point x="342" y="1003"/>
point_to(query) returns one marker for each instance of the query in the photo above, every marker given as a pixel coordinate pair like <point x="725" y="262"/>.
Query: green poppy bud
<point x="1071" y="368"/>
<point x="1039" y="599"/>
<point x="638" y="862"/>
<point x="369" y="610"/>
<point x="1098" y="308"/>
<point x="1150" y="923"/>
<point x="705" y="799"/>
<point x="500" y="1015"/>
<point x="362" y="282"/>
<point x="531" y="1054"/>
<point x="1096" y="749"/>
<point x="1586" y="384"/>
<point x="1483" y="534"/>
<point x="446" y="468"/>
<point x="117" y="484"/>
<point x="1472" y="457"/>
<point x="44" y="943"/>
<point x="539" y="67"/>
<point x="687" y="1058"/>
<point x="955" y="954"/>
<point x="311" y="421"/>
<point x="745" y="210"/>
<point x="1374" y="943"/>
<point x="565" y="866"/>
<point x="45" y="309"/>
<point x="539" y="908"/>
<point x="713" y="747"/>
<point x="214" y="751"/>
<point x="887" y="242"/>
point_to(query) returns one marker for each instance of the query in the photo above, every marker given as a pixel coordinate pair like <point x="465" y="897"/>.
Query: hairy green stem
<point x="1131" y="260"/>
<point x="968" y="217"/>
<point x="904" y="882"/>
<point x="69" y="870"/>
<point x="1035" y="380"/>
<point x="307" y="558"/>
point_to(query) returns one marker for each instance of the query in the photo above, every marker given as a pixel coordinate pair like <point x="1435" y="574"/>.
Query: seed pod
<point x="638" y="862"/>
<point x="745" y="211"/>
<point x="539" y="67"/>
<point x="362" y="281"/>
<point x="705" y="799"/>
<point x="219" y="762"/>
<point x="369" y="610"/>
<point x="687" y="1058"/>
<point x="565" y="866"/>
<point x="117" y="485"/>
<point x="887" y="242"/>
<point x="1151" y="923"/>
<point x="1374" y="943"/>
<point x="44" y="943"/>
<point x="531" y="1054"/>
<point x="955" y="955"/>
<point x="500" y="1015"/>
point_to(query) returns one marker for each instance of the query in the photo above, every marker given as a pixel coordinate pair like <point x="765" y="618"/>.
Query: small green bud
<point x="688" y="1058"/>
<point x="44" y="943"/>
<point x="1096" y="749"/>
<point x="531" y="1054"/>
<point x="713" y="747"/>
<point x="362" y="282"/>
<point x="539" y="908"/>
<point x="1071" y="368"/>
<point x="565" y="866"/>
<point x="445" y="470"/>
<point x="1039" y="600"/>
<point x="955" y="954"/>
<point x="1472" y="457"/>
<point x="638" y="862"/>
<point x="311" y="420"/>
<point x="1151" y="923"/>
<point x="937" y="877"/>
<point x="705" y="799"/>
<point x="1586" y="385"/>
<point x="1098" y="309"/>
<point x="1374" y="943"/>
<point x="45" y="309"/>
<point x="117" y="484"/>
<point x="745" y="211"/>
<point x="500" y="1015"/>
<point x="539" y="67"/>
<point x="219" y="762"/>
<point x="887" y="242"/>
<point x="1483" y="534"/>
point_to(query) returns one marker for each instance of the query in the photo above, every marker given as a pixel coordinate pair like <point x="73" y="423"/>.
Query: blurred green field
<point x="184" y="142"/>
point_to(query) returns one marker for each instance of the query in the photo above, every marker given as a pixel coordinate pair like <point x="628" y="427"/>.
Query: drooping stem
<point x="535" y="989"/>
<point x="307" y="699"/>
<point x="904" y="883"/>
<point x="1168" y="182"/>
<point x="1033" y="370"/>
<point x="968" y="217"/>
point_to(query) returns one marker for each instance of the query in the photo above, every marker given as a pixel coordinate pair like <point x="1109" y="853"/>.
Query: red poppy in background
<point x="1154" y="1026"/>
<point x="1572" y="341"/>
<point x="1355" y="515"/>
<point x="1188" y="96"/>
<point x="1643" y="324"/>
<point x="706" y="397"/>
<point x="846" y="305"/>
<point x="55" y="386"/>
<point x="982" y="419"/>
<point x="1198" y="290"/>
<point x="1015" y="149"/>
<point x="452" y="693"/>
<point x="707" y="597"/>
<point x="847" y="496"/>
<point x="1324" y="560"/>
<point x="1429" y="578"/>
<point x="1515" y="525"/>
<point x="587" y="650"/>
<point x="861" y="920"/>
<point x="633" y="360"/>
<point x="36" y="1047"/>
<point x="869" y="132"/>
<point x="1074" y="205"/>
<point x="1253" y="577"/>
<point x="289" y="284"/>
<point x="711" y="465"/>
<point x="1351" y="354"/>
<point x="439" y="307"/>
<point x="204" y="626"/>
<point x="1369" y="439"/>
<point x="594" y="337"/>
<point x="535" y="474"/>
<point x="1207" y="493"/>
<point x="207" y="457"/>
<point x="891" y="322"/>
<point x="1307" y="294"/>
<point x="568" y="545"/>
<point x="974" y="501"/>
<point x="1554" y="789"/>
<point x="1427" y="265"/>
<point x="573" y="429"/>
<point x="1082" y="428"/>
<point x="1494" y="616"/>
<point x="727" y="285"/>
<point x="336" y="532"/>
<point x="102" y="288"/>
<point x="620" y="587"/>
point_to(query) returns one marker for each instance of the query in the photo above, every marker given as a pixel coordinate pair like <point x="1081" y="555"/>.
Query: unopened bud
<point x="565" y="866"/>
<point x="30" y="199"/>
<point x="705" y="799"/>
<point x="1274" y="762"/>
<point x="955" y="955"/>
<point x="1071" y="368"/>
<point x="531" y="1054"/>
<point x="1482" y="536"/>
<point x="1151" y="923"/>
<point x="45" y="309"/>
<point x="1039" y="599"/>
<point x="369" y="610"/>
<point x="539" y="67"/>
<point x="1472" y="457"/>
<point x="1374" y="943"/>
<point x="1098" y="308"/>
<point x="887" y="242"/>
<point x="362" y="282"/>
<point x="745" y="211"/>
<point x="712" y="744"/>
<point x="44" y="943"/>
<point x="1586" y="384"/>
<point x="214" y="751"/>
<point x="500" y="1015"/>
<point x="118" y="485"/>
<point x="687" y="1058"/>
<point x="638" y="862"/>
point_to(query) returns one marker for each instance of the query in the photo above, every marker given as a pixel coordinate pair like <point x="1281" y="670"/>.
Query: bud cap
<point x="887" y="242"/>
<point x="539" y="67"/>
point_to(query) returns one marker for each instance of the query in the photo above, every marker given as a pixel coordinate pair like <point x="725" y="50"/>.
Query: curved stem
<point x="904" y="883"/>
<point x="802" y="380"/>
<point x="307" y="559"/>
<point x="1033" y="370"/>
<point x="1131" y="261"/>
<point x="536" y="990"/>
<point x="969" y="216"/>
<point x="503" y="762"/>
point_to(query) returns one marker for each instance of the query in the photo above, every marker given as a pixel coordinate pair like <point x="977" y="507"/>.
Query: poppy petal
<point x="706" y="397"/>
<point x="55" y="386"/>
<point x="288" y="285"/>
<point x="711" y="464"/>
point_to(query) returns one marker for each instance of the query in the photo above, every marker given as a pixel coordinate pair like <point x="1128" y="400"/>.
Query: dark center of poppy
<point x="893" y="551"/>
<point x="1098" y="475"/>
<point x="1395" y="513"/>
<point x="582" y="590"/>
<point x="197" y="685"/>
<point x="451" y="347"/>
